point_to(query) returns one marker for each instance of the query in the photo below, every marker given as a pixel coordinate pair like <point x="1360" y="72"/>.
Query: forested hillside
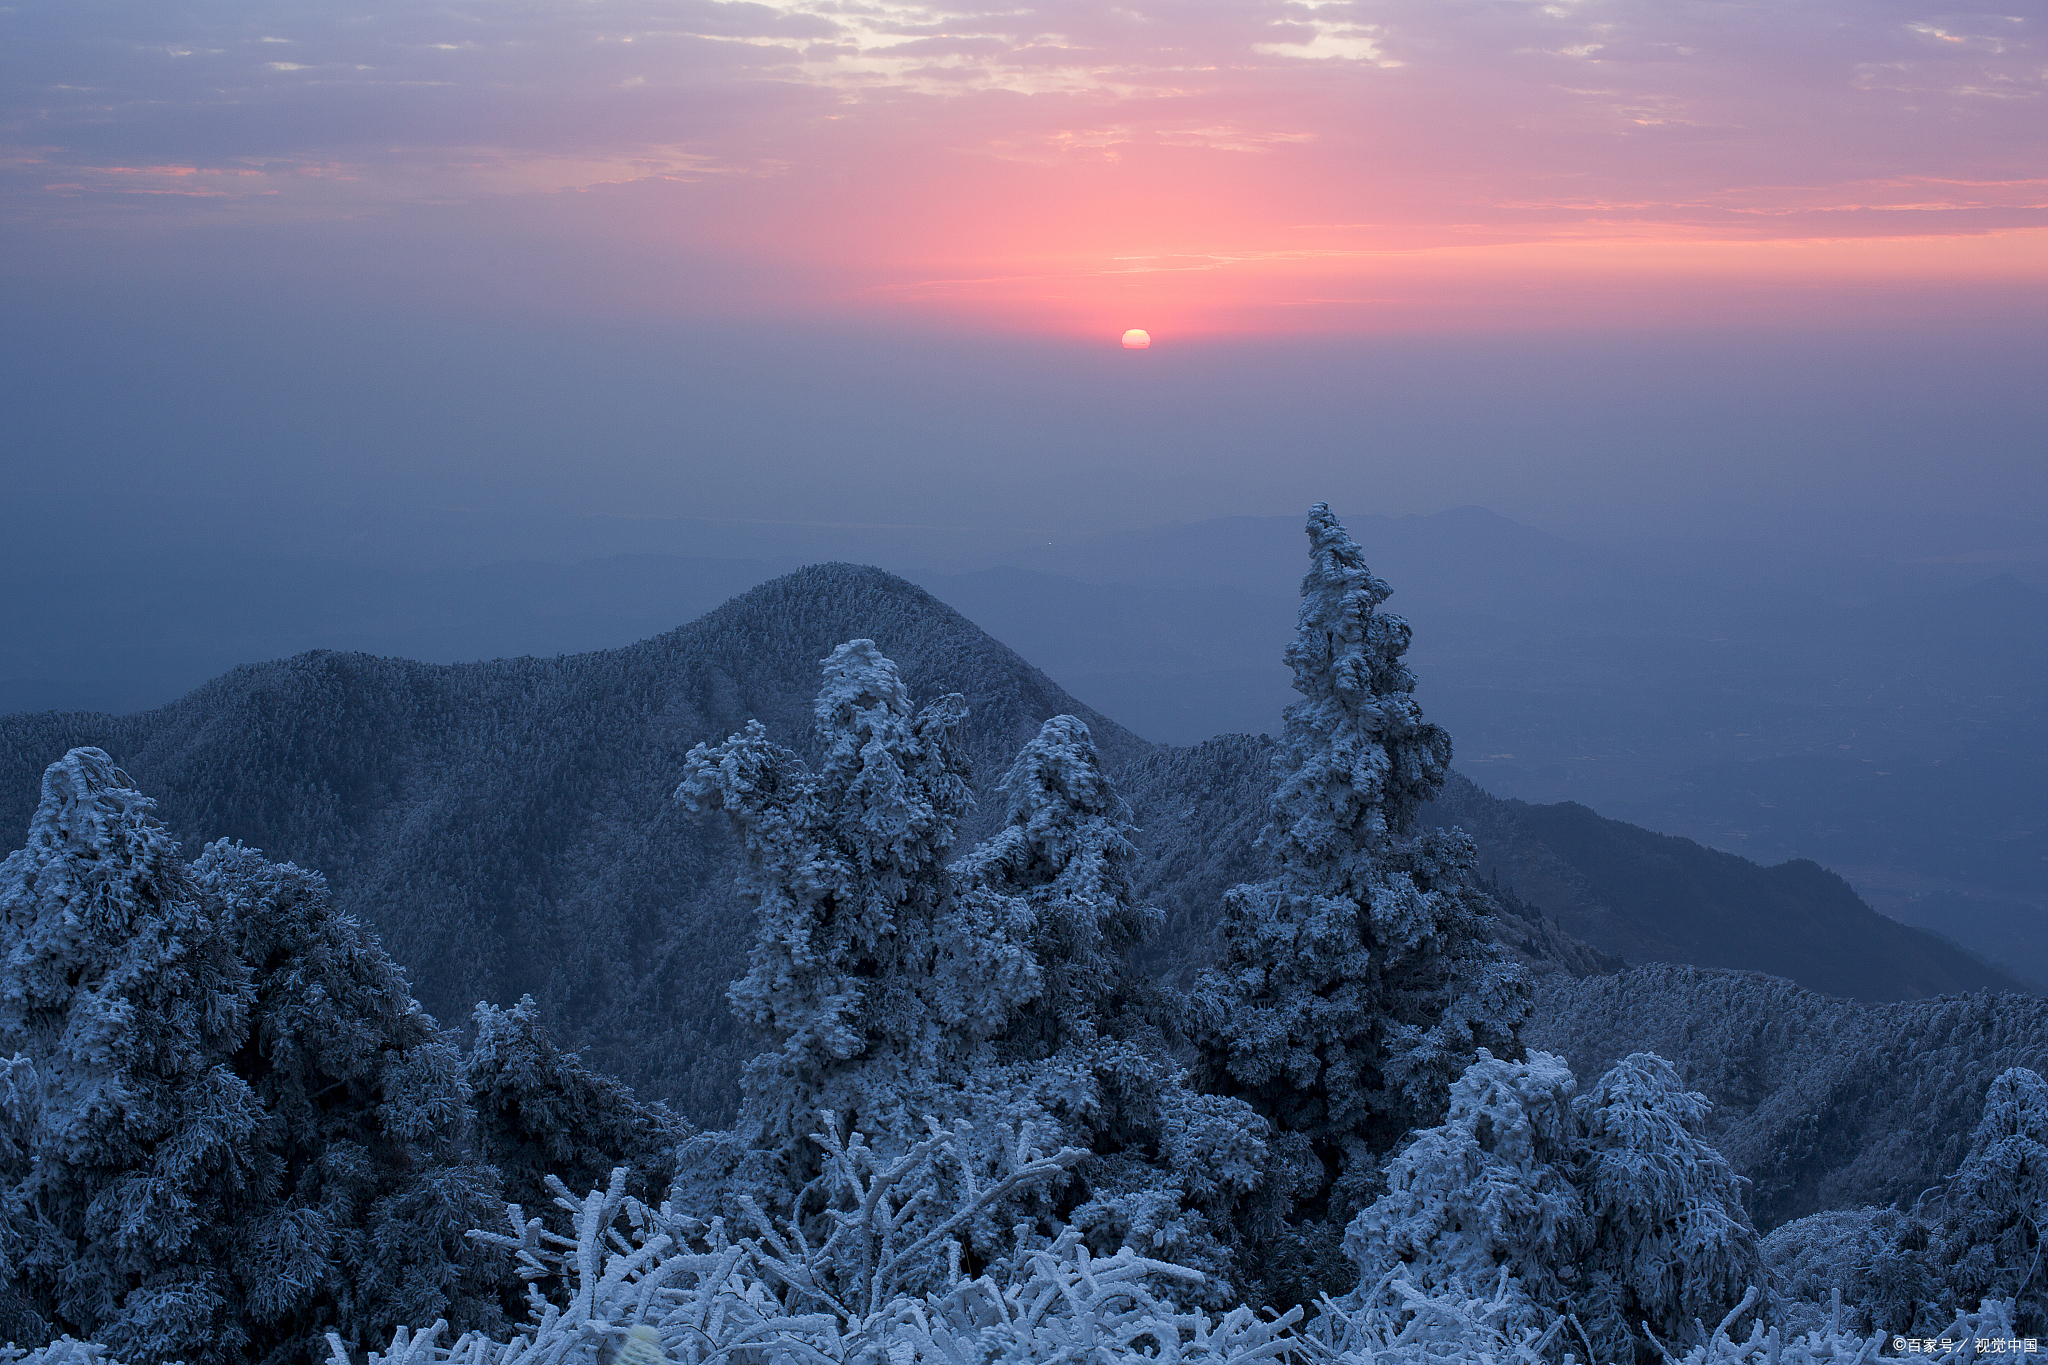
<point x="1823" y="1103"/>
<point x="1650" y="897"/>
<point x="1248" y="1072"/>
<point x="506" y="828"/>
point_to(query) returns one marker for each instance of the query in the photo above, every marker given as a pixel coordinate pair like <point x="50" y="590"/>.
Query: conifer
<point x="1989" y="1241"/>
<point x="540" y="1112"/>
<point x="1668" y="1243"/>
<point x="131" y="1146"/>
<point x="1358" y="981"/>
<point x="228" y="1127"/>
<point x="870" y="978"/>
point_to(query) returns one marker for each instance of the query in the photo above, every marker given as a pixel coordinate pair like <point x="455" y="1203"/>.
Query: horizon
<point x="1619" y="269"/>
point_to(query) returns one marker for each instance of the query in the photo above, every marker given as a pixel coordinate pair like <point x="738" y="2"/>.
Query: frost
<point x="1989" y="1241"/>
<point x="1359" y="981"/>
<point x="865" y="972"/>
<point x="1668" y="1242"/>
<point x="1485" y="1198"/>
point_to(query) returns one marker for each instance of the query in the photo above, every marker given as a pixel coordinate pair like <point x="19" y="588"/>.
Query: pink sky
<point x="1191" y="166"/>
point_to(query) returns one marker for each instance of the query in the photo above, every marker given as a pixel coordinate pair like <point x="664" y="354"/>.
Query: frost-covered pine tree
<point x="367" y="1198"/>
<point x="1989" y="1242"/>
<point x="1169" y="1169"/>
<point x="541" y="1112"/>
<point x="1358" y="981"/>
<point x="1489" y="1189"/>
<point x="129" y="1147"/>
<point x="872" y="980"/>
<point x="1064" y="854"/>
<point x="1667" y="1240"/>
<point x="228" y="1127"/>
<point x="1867" y="1267"/>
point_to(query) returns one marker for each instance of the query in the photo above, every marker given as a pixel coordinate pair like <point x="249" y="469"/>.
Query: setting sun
<point x="1137" y="339"/>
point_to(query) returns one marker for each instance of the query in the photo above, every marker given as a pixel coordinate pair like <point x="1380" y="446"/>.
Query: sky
<point x="1612" y="266"/>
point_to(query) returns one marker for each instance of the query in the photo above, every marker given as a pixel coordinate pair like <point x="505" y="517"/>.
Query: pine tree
<point x="1872" y="1261"/>
<point x="872" y="980"/>
<point x="228" y="1127"/>
<point x="1358" y="981"/>
<point x="131" y="1145"/>
<point x="542" y="1112"/>
<point x="1667" y="1240"/>
<point x="1989" y="1241"/>
<point x="368" y="1195"/>
<point x="1064" y="860"/>
<point x="1487" y="1190"/>
<point x="1170" y="1170"/>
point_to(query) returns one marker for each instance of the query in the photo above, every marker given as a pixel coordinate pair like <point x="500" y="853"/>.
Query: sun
<point x="1137" y="339"/>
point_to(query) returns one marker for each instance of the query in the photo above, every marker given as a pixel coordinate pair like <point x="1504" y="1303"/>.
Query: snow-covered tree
<point x="1989" y="1242"/>
<point x="1065" y="853"/>
<point x="871" y="978"/>
<point x="1487" y="1190"/>
<point x="1871" y="1261"/>
<point x="1358" y="981"/>
<point x="228" y="1127"/>
<point x="131" y="1146"/>
<point x="366" y="1195"/>
<point x="541" y="1112"/>
<point x="1667" y="1240"/>
<point x="1169" y="1170"/>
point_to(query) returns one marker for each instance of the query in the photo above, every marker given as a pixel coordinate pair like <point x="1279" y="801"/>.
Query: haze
<point x="395" y="330"/>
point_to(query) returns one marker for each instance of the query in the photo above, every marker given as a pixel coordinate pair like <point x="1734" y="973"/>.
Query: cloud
<point x="887" y="140"/>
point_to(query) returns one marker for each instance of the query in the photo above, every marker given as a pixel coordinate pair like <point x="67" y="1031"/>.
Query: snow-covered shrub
<point x="1989" y="1242"/>
<point x="1667" y="1241"/>
<point x="63" y="1351"/>
<point x="1484" y="1200"/>
<point x="1359" y="981"/>
<point x="1965" y="1339"/>
<point x="636" y="1283"/>
<point x="1390" y="1321"/>
<point x="541" y="1111"/>
<point x="1868" y="1265"/>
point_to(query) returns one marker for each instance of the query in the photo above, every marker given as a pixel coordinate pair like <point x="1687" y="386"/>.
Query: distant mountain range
<point x="507" y="826"/>
<point x="1884" y="715"/>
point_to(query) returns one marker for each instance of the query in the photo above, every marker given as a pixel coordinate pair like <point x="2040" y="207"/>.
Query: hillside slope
<point x="507" y="828"/>
<point x="1822" y="1103"/>
<point x="1650" y="897"/>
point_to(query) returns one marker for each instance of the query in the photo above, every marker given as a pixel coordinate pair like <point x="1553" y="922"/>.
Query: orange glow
<point x="1137" y="339"/>
<point x="1205" y="166"/>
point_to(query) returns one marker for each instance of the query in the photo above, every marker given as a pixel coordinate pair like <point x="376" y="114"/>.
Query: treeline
<point x="229" y="1131"/>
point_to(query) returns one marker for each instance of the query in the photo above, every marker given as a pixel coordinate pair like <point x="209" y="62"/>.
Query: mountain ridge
<point x="506" y="825"/>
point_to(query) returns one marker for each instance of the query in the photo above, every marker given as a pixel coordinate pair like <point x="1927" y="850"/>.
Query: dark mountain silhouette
<point x="1651" y="897"/>
<point x="507" y="828"/>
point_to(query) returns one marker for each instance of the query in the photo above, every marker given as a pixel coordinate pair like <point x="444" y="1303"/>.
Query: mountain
<point x="507" y="828"/>
<point x="1878" y="712"/>
<point x="1650" y="897"/>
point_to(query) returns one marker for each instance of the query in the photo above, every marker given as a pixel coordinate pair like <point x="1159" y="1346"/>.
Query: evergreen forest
<point x="817" y="984"/>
